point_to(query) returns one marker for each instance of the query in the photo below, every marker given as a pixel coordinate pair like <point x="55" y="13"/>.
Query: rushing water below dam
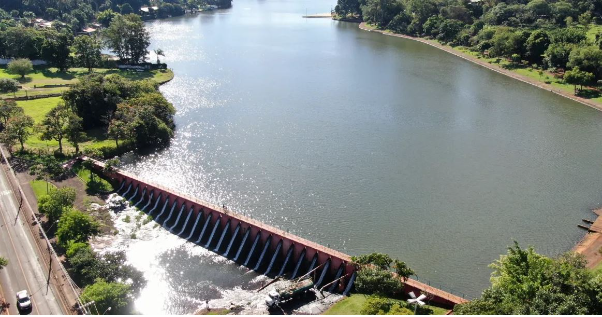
<point x="365" y="142"/>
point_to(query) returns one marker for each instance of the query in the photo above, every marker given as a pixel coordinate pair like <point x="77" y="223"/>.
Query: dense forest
<point x="548" y="34"/>
<point x="76" y="14"/>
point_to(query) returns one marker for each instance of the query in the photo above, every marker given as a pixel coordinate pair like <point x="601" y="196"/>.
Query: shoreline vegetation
<point x="481" y="61"/>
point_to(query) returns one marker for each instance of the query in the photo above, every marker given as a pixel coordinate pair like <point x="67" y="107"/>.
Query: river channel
<point x="362" y="142"/>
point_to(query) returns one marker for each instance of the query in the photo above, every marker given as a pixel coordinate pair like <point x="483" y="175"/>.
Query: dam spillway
<point x="259" y="247"/>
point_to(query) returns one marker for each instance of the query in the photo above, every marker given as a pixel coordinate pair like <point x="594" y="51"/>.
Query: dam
<point x="262" y="248"/>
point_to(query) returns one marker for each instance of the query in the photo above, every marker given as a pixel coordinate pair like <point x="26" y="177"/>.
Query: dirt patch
<point x="591" y="244"/>
<point x="82" y="200"/>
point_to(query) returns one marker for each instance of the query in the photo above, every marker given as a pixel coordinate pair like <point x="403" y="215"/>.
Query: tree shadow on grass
<point x="589" y="93"/>
<point x="96" y="186"/>
<point x="24" y="80"/>
<point x="57" y="74"/>
<point x="513" y="66"/>
<point x="132" y="75"/>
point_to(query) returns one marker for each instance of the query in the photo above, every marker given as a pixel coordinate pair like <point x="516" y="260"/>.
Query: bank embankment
<point x="591" y="244"/>
<point x="495" y="68"/>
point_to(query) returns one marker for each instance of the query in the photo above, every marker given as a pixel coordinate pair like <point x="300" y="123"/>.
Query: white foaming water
<point x="175" y="269"/>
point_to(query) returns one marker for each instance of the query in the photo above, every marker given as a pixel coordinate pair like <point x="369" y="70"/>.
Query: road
<point x="24" y="270"/>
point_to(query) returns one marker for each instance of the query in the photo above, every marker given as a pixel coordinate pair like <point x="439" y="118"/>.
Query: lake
<point x="365" y="142"/>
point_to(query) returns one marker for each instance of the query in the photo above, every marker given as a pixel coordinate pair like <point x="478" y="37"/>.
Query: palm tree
<point x="159" y="52"/>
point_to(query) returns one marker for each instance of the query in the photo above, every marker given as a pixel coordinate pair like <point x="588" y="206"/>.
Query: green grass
<point x="94" y="185"/>
<point x="348" y="306"/>
<point x="51" y="76"/>
<point x="40" y="186"/>
<point x="38" y="108"/>
<point x="219" y="312"/>
<point x="352" y="305"/>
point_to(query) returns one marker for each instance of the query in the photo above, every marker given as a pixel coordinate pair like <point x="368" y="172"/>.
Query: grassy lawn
<point x="95" y="184"/>
<point x="39" y="187"/>
<point x="348" y="306"/>
<point x="51" y="76"/>
<point x="352" y="305"/>
<point x="38" y="108"/>
<point x="219" y="312"/>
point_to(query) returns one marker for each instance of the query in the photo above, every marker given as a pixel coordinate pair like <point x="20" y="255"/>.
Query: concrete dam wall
<point x="258" y="246"/>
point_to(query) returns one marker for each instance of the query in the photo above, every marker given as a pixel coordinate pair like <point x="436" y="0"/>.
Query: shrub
<point x="8" y="85"/>
<point x="21" y="66"/>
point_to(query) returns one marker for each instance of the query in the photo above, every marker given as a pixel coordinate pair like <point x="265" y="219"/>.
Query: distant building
<point x="87" y="31"/>
<point x="149" y="9"/>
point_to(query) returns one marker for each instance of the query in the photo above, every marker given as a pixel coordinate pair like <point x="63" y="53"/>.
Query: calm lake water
<point x="366" y="143"/>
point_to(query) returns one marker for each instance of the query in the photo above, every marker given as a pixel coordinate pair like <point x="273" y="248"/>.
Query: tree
<point x="380" y="260"/>
<point x="449" y="30"/>
<point x="74" y="131"/>
<point x="557" y="55"/>
<point x="87" y="51"/>
<point x="105" y="17"/>
<point x="578" y="77"/>
<point x="75" y="226"/>
<point x="20" y="66"/>
<point x="47" y="167"/>
<point x="159" y="52"/>
<point x="587" y="58"/>
<point x="110" y="165"/>
<point x="524" y="282"/>
<point x="8" y="85"/>
<point x="56" y="48"/>
<point x="54" y="203"/>
<point x="75" y="247"/>
<point x="18" y="128"/>
<point x="127" y="37"/>
<point x="105" y="295"/>
<point x="120" y="130"/>
<point x="56" y="124"/>
<point x="8" y="109"/>
<point x="95" y="97"/>
<point x="536" y="45"/>
<point x="3" y="262"/>
<point x="373" y="280"/>
<point x="402" y="269"/>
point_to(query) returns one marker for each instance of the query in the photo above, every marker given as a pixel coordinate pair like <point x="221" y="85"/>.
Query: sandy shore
<point x="495" y="68"/>
<point x="591" y="243"/>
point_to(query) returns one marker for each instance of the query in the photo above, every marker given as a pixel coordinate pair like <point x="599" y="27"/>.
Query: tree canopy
<point x="524" y="282"/>
<point x="75" y="226"/>
<point x="20" y="66"/>
<point x="55" y="202"/>
<point x="18" y="129"/>
<point x="115" y="295"/>
<point x="547" y="33"/>
<point x="127" y="38"/>
<point x="375" y="274"/>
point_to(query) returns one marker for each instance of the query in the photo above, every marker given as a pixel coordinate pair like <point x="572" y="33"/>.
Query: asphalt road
<point x="24" y="271"/>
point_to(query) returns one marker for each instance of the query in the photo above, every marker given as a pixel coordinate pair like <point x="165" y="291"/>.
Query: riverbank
<point x="591" y="244"/>
<point x="596" y="105"/>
